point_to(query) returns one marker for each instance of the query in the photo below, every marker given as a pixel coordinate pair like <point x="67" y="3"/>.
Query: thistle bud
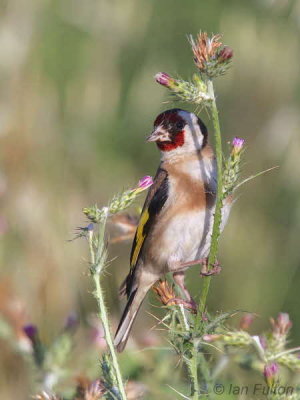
<point x="144" y="184"/>
<point x="231" y="338"/>
<point x="246" y="321"/>
<point x="232" y="166"/>
<point x="125" y="199"/>
<point x="192" y="92"/>
<point x="281" y="325"/>
<point x="164" y="79"/>
<point x="225" y="54"/>
<point x="95" y="215"/>
<point x="290" y="361"/>
<point x="271" y="373"/>
<point x="31" y="331"/>
<point x="119" y="202"/>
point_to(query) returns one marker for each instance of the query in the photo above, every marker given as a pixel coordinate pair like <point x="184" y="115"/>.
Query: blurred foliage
<point x="76" y="102"/>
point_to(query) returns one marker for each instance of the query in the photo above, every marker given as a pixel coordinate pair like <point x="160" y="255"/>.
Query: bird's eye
<point x="179" y="124"/>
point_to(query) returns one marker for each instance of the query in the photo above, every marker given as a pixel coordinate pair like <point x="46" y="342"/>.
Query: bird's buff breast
<point x="184" y="237"/>
<point x="185" y="223"/>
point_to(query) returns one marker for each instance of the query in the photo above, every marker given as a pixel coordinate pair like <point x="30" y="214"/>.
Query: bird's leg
<point x="204" y="270"/>
<point x="179" y="280"/>
<point x="194" y="262"/>
<point x="215" y="270"/>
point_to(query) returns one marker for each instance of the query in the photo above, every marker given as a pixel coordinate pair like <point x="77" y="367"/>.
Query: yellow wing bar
<point x="140" y="237"/>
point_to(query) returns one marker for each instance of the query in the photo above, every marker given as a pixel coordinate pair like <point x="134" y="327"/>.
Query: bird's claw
<point x="215" y="270"/>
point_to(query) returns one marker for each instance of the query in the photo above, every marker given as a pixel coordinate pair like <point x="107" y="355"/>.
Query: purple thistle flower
<point x="271" y="369"/>
<point x="238" y="143"/>
<point x="270" y="372"/>
<point x="30" y="331"/>
<point x="90" y="227"/>
<point x="81" y="231"/>
<point x="145" y="182"/>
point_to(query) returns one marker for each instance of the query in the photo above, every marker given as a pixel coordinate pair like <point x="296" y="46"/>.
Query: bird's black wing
<point x="155" y="200"/>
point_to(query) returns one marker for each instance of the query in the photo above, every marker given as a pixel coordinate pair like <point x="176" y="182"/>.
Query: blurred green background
<point x="77" y="100"/>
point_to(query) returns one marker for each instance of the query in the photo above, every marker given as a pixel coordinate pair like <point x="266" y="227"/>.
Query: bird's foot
<point x="206" y="271"/>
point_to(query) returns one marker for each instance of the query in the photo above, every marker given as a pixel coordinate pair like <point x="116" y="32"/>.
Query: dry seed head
<point x="165" y="292"/>
<point x="205" y="48"/>
<point x="211" y="57"/>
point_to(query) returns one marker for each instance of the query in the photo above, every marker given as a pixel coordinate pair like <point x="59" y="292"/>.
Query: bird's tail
<point x="132" y="307"/>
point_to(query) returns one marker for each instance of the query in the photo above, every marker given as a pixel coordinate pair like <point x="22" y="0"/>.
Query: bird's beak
<point x="159" y="134"/>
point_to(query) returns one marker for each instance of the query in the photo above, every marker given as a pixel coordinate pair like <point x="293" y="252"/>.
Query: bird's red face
<point x="178" y="130"/>
<point x="168" y="130"/>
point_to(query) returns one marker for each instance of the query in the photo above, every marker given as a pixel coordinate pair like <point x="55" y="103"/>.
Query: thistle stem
<point x="108" y="337"/>
<point x="193" y="367"/>
<point x="97" y="260"/>
<point x="219" y="200"/>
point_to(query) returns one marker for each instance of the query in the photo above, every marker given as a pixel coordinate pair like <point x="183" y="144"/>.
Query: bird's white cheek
<point x="193" y="139"/>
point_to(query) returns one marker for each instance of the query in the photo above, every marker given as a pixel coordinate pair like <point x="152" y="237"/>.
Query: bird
<point x="175" y="226"/>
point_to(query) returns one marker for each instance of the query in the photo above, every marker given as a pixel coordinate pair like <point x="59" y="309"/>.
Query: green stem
<point x="108" y="337"/>
<point x="218" y="210"/>
<point x="193" y="367"/>
<point x="97" y="261"/>
<point x="205" y="373"/>
<point x="191" y="361"/>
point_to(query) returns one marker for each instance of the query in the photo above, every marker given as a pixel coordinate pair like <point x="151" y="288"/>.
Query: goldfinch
<point x="174" y="230"/>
